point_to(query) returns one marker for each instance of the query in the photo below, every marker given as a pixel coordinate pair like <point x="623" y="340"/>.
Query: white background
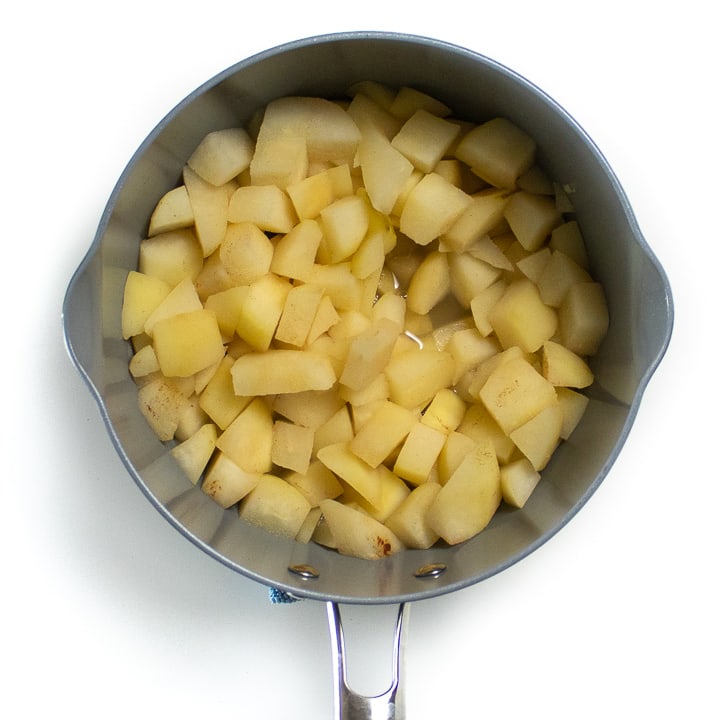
<point x="107" y="612"/>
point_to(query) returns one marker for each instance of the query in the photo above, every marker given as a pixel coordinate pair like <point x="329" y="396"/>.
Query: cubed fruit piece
<point x="292" y="446"/>
<point x="210" y="210"/>
<point x="295" y="252"/>
<point x="301" y="305"/>
<point x="144" y="362"/>
<point x="344" y="225"/>
<point x="568" y="238"/>
<point x="187" y="343"/>
<point x="445" y="412"/>
<point x="424" y="138"/>
<point x="469" y="276"/>
<point x="341" y="460"/>
<point x="219" y="399"/>
<point x="282" y="371"/>
<point x="227" y="306"/>
<point x="429" y="284"/>
<point x="279" y="161"/>
<point x="267" y="206"/>
<point x="392" y="492"/>
<point x="275" y="506"/>
<point x="521" y="318"/>
<point x="369" y="353"/>
<point x="563" y="367"/>
<point x="337" y="428"/>
<point x="261" y="310"/>
<point x="583" y="318"/>
<point x="222" y="155"/>
<point x="307" y="529"/>
<point x="456" y="448"/>
<point x="468" y="348"/>
<point x="483" y="213"/>
<point x="245" y="252"/>
<point x="478" y="424"/>
<point x="191" y="420"/>
<point x="573" y="405"/>
<point x="326" y="317"/>
<point x="431" y="208"/>
<point x="369" y="258"/>
<point x="172" y="212"/>
<point x="487" y="249"/>
<point x="409" y="522"/>
<point x="408" y="100"/>
<point x="531" y="218"/>
<point x="533" y="265"/>
<point x="162" y="404"/>
<point x="226" y="482"/>
<point x="557" y="276"/>
<point x="317" y="483"/>
<point x="515" y="392"/>
<point x="310" y="408"/>
<point x="142" y="294"/>
<point x="518" y="479"/>
<point x="539" y="436"/>
<point x="498" y="151"/>
<point x="248" y="439"/>
<point x="469" y="499"/>
<point x="383" y="432"/>
<point x="357" y="534"/>
<point x="183" y="298"/>
<point x="483" y="303"/>
<point x="418" y="453"/>
<point x="370" y="109"/>
<point x="340" y="285"/>
<point x="311" y="195"/>
<point x="194" y="453"/>
<point x="416" y="375"/>
<point x="171" y="256"/>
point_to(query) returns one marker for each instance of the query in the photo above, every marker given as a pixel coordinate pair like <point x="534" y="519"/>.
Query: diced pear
<point x="557" y="276"/>
<point x="295" y="252"/>
<point x="317" y="483"/>
<point x="142" y="295"/>
<point x="338" y="428"/>
<point x="279" y="161"/>
<point x="369" y="257"/>
<point x="445" y="412"/>
<point x="409" y="521"/>
<point x="518" y="479"/>
<point x="310" y="408"/>
<point x="172" y="212"/>
<point x="563" y="367"/>
<point x="429" y="284"/>
<point x="227" y="306"/>
<point x="144" y="362"/>
<point x="379" y="93"/>
<point x="482" y="214"/>
<point x="213" y="277"/>
<point x="210" y="210"/>
<point x="531" y="218"/>
<point x="358" y="534"/>
<point x="408" y="100"/>
<point x="341" y="460"/>
<point x="533" y="265"/>
<point x="267" y="206"/>
<point x="469" y="276"/>
<point x="325" y="317"/>
<point x="478" y="424"/>
<point x="567" y="238"/>
<point x="261" y="310"/>
<point x="344" y="225"/>
<point x="219" y="399"/>
<point x="521" y="318"/>
<point x="369" y="353"/>
<point x="311" y="195"/>
<point x="194" y="453"/>
<point x="486" y="248"/>
<point x="387" y="427"/>
<point x="222" y="155"/>
<point x="162" y="404"/>
<point x="245" y="252"/>
<point x="498" y="151"/>
<point x="539" y="436"/>
<point x="307" y="529"/>
<point x="191" y="420"/>
<point x="187" y="343"/>
<point x="536" y="181"/>
<point x="276" y="506"/>
<point x="483" y="303"/>
<point x="171" y="256"/>
<point x="183" y="298"/>
<point x="515" y="392"/>
<point x="573" y="405"/>
<point x="583" y="318"/>
<point x="301" y="305"/>
<point x="340" y="285"/>
<point x="469" y="499"/>
<point x="416" y="375"/>
<point x="282" y="371"/>
<point x="456" y="448"/>
<point x="226" y="482"/>
<point x="418" y="453"/>
<point x="292" y="446"/>
<point x="468" y="348"/>
<point x="248" y="439"/>
<point x="424" y="139"/>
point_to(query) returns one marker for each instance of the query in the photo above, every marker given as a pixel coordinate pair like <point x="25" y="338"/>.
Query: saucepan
<point x="636" y="286"/>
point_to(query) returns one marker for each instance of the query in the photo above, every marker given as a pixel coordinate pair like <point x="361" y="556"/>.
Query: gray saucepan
<point x="476" y="87"/>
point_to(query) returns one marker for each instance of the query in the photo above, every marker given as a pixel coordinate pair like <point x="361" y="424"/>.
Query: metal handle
<point x="350" y="705"/>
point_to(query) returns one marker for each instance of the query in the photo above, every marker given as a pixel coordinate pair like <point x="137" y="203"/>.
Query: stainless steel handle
<point x="350" y="705"/>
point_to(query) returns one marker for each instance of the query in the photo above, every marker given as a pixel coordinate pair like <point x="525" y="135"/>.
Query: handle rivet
<point x="431" y="570"/>
<point x="305" y="571"/>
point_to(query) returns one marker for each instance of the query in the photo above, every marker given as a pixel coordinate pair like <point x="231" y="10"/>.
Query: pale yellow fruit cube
<point x="419" y="453"/>
<point x="183" y="298"/>
<point x="431" y="208"/>
<point x="191" y="420"/>
<point x="429" y="284"/>
<point x="317" y="483"/>
<point x="144" y="362"/>
<point x="245" y="252"/>
<point x="384" y="430"/>
<point x="409" y="520"/>
<point x="518" y="479"/>
<point x="531" y="218"/>
<point x="311" y="195"/>
<point x="162" y="404"/>
<point x="452" y="170"/>
<point x="521" y="318"/>
<point x="486" y="248"/>
<point x="378" y="389"/>
<point x="141" y="296"/>
<point x="480" y="217"/>
<point x="408" y="100"/>
<point x="171" y="256"/>
<point x="563" y="367"/>
<point x="515" y="392"/>
<point x="568" y="239"/>
<point x="424" y="139"/>
<point x="194" y="453"/>
<point x="357" y="534"/>
<point x="583" y="318"/>
<point x="261" y="310"/>
<point x="295" y="252"/>
<point x="226" y="482"/>
<point x="172" y="212"/>
<point x="292" y="446"/>
<point x="483" y="303"/>
<point x="369" y="258"/>
<point x="484" y="369"/>
<point x="392" y="493"/>
<point x="301" y="305"/>
<point x="370" y="111"/>
<point x="539" y="436"/>
<point x="498" y="151"/>
<point x="213" y="277"/>
<point x="536" y="181"/>
<point x="344" y="224"/>
<point x="340" y="285"/>
<point x="282" y="371"/>
<point x="416" y="375"/>
<point x="222" y="155"/>
<point x="310" y="408"/>
<point x="307" y="529"/>
<point x="469" y="276"/>
<point x="573" y="405"/>
<point x="227" y="306"/>
<point x="219" y="399"/>
<point x="392" y="307"/>
<point x="469" y="499"/>
<point x="341" y="460"/>
<point x="210" y="210"/>
<point x="415" y="177"/>
<point x="247" y="441"/>
<point x="326" y="317"/>
<point x="456" y="448"/>
<point x="369" y="354"/>
<point x="279" y="161"/>
<point x="558" y="275"/>
<point x="478" y="424"/>
<point x="275" y="506"/>
<point x="187" y="343"/>
<point x="445" y="412"/>
<point x="336" y="429"/>
<point x="468" y="349"/>
<point x="267" y="206"/>
<point x="533" y="265"/>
